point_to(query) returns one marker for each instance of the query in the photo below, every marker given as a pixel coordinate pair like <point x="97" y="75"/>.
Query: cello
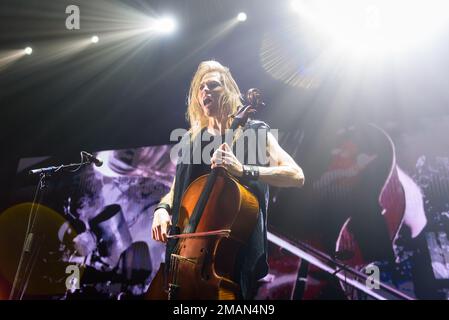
<point x="217" y="216"/>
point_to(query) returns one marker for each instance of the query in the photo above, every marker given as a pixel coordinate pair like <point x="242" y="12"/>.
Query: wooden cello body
<point x="202" y="267"/>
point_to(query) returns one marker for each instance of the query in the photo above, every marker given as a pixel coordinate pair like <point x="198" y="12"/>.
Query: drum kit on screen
<point x="102" y="262"/>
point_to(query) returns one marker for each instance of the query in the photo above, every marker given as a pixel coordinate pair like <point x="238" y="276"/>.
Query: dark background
<point x="112" y="96"/>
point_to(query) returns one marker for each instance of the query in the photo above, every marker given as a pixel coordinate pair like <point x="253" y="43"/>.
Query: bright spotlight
<point x="241" y="16"/>
<point x="28" y="50"/>
<point x="164" y="25"/>
<point x="95" y="39"/>
<point x="375" y="27"/>
<point x="295" y="5"/>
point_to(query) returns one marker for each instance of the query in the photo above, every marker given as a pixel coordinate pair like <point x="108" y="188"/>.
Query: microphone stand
<point x="32" y="243"/>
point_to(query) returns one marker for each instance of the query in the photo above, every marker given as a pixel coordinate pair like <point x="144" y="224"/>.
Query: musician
<point x="213" y="97"/>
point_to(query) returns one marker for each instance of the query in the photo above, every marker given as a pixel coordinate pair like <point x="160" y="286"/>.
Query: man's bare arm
<point x="283" y="170"/>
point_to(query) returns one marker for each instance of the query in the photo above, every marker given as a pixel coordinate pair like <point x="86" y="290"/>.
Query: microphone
<point x="91" y="158"/>
<point x="43" y="170"/>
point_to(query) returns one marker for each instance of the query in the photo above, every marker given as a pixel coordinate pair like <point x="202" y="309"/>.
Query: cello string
<point x="210" y="183"/>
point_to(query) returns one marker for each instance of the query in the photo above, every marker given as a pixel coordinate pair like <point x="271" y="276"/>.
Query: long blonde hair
<point x="229" y="101"/>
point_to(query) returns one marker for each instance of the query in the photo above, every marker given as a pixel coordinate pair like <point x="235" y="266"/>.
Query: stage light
<point x="295" y="5"/>
<point x="94" y="39"/>
<point x="242" y="16"/>
<point x="164" y="25"/>
<point x="28" y="50"/>
<point x="368" y="27"/>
